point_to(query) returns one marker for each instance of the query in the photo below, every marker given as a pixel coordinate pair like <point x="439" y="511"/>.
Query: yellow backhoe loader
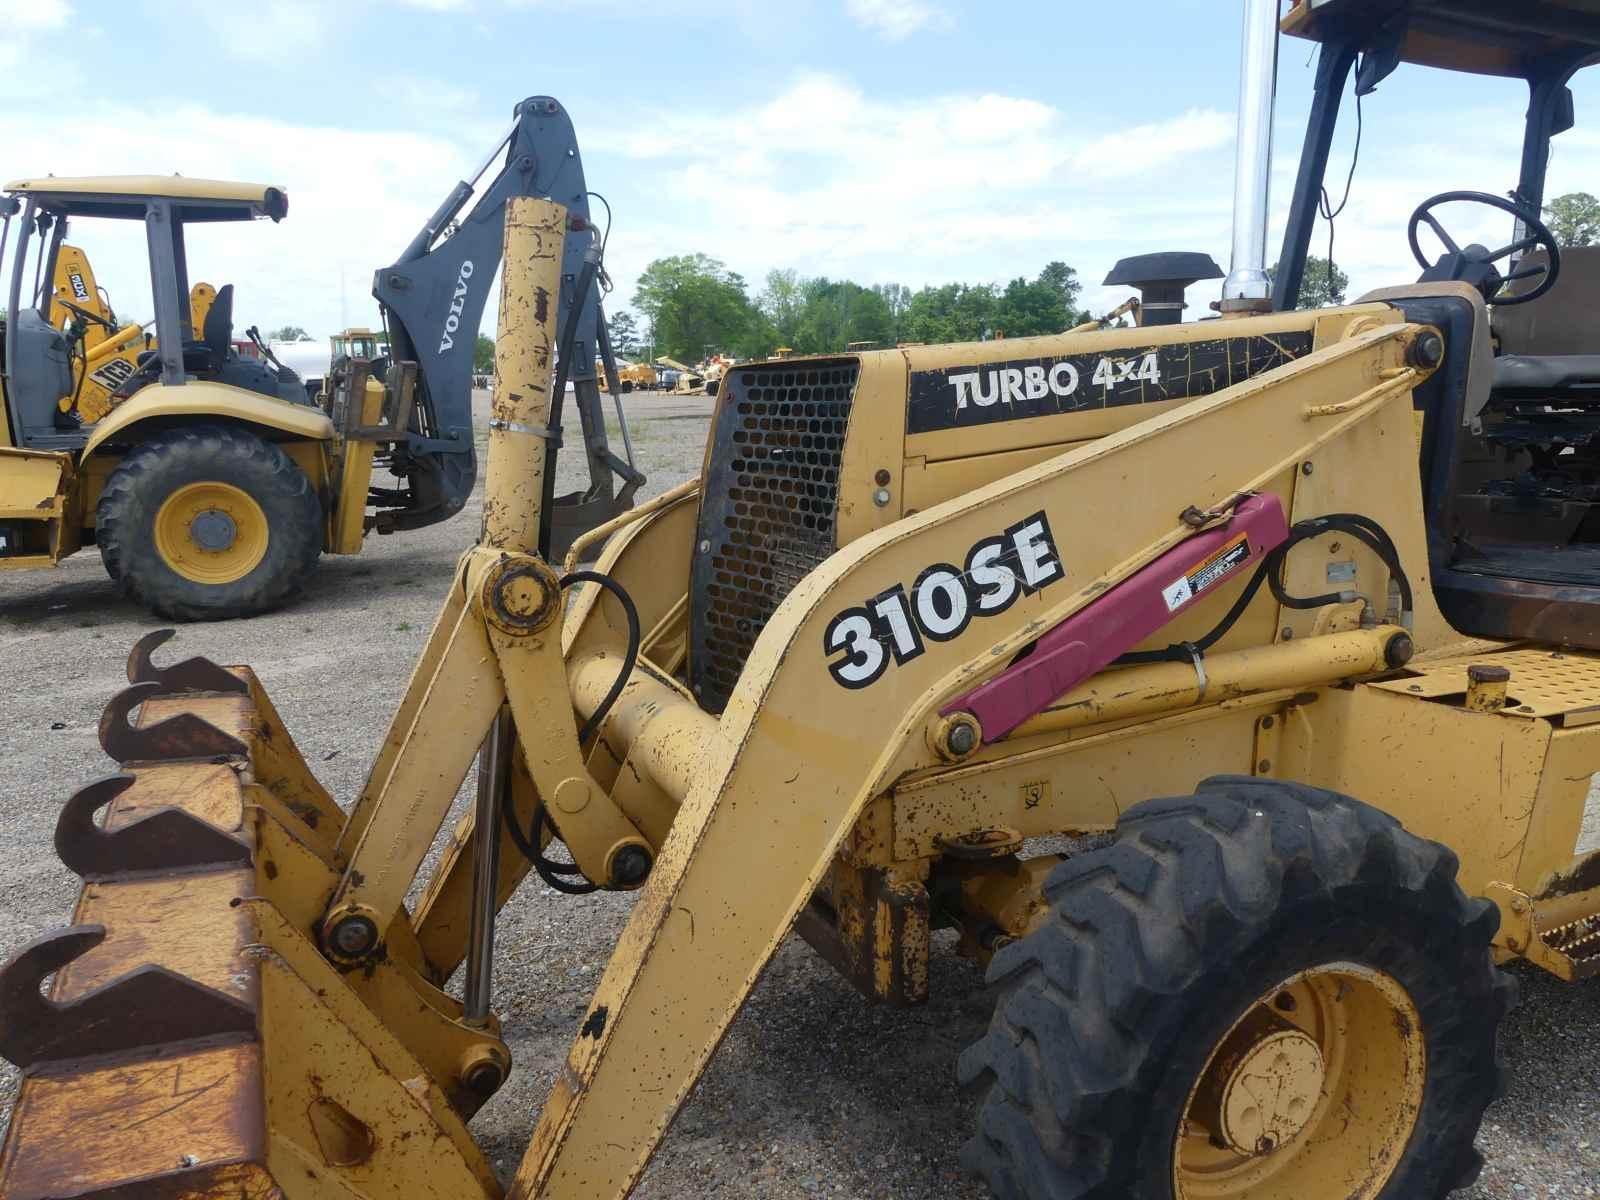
<point x="107" y="351"/>
<point x="678" y="379"/>
<point x="1238" y="599"/>
<point x="212" y="481"/>
<point x="637" y="377"/>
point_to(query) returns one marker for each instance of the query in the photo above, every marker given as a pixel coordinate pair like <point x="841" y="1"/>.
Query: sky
<point x="907" y="141"/>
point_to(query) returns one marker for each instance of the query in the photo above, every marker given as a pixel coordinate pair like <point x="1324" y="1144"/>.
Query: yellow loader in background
<point x="211" y="482"/>
<point x="1233" y="598"/>
<point x="106" y="350"/>
<point x="636" y="377"/>
<point x="678" y="379"/>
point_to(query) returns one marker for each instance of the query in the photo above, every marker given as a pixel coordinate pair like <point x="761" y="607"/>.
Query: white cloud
<point x="1129" y="152"/>
<point x="435" y="5"/>
<point x="830" y="180"/>
<point x="34" y="16"/>
<point x="355" y="199"/>
<point x="896" y="20"/>
<point x="280" y="32"/>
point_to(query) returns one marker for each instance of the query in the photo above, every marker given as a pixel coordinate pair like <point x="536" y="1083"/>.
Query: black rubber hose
<point x="1363" y="528"/>
<point x="549" y="870"/>
<point x="630" y="656"/>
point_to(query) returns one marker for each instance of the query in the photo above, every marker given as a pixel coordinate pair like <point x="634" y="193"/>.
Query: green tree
<point x="483" y="354"/>
<point x="694" y="301"/>
<point x="289" y="333"/>
<point x="782" y="305"/>
<point x="951" y="312"/>
<point x="1322" y="285"/>
<point x="624" y="330"/>
<point x="1574" y="218"/>
<point x="1047" y="304"/>
<point x="837" y="312"/>
<point x="896" y="296"/>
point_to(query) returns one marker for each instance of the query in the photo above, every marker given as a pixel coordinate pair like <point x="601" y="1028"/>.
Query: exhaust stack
<point x="1247" y="288"/>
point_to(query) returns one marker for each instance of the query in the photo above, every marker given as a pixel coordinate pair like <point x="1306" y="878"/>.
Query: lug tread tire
<point x="1094" y="1002"/>
<point x="135" y="490"/>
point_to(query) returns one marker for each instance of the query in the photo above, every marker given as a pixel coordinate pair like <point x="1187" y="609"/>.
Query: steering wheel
<point x="85" y="314"/>
<point x="1539" y="235"/>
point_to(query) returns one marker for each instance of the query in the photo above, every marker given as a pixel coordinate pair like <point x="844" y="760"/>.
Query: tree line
<point x="695" y="306"/>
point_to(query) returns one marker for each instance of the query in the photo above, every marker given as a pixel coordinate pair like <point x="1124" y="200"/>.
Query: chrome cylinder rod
<point x="1247" y="287"/>
<point x="494" y="778"/>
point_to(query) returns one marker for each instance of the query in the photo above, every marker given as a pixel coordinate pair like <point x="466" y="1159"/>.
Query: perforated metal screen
<point x="767" y="516"/>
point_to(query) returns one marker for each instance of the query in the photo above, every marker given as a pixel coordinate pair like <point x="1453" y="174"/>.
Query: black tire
<point x="1157" y="944"/>
<point x="125" y="520"/>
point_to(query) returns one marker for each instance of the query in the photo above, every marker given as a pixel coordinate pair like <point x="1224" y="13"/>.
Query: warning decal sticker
<point x="1233" y="554"/>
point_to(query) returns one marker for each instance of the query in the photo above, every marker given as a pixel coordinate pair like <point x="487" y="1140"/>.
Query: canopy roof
<point x="1518" y="38"/>
<point x="126" y="196"/>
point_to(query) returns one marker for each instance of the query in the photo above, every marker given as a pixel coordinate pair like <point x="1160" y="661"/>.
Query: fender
<point x="204" y="400"/>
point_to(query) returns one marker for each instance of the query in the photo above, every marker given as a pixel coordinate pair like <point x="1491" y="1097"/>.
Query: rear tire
<point x="208" y="523"/>
<point x="1128" y="1021"/>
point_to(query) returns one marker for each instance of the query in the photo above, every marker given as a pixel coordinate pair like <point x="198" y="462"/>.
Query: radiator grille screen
<point x="767" y="516"/>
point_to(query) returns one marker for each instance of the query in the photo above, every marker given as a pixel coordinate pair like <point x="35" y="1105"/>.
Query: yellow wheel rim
<point x="1314" y="1091"/>
<point x="211" y="532"/>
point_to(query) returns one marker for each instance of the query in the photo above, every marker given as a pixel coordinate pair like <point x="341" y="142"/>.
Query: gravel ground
<point x="814" y="1092"/>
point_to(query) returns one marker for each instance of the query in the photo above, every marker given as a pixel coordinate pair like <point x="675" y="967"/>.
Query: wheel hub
<point x="1270" y="1095"/>
<point x="213" y="530"/>
<point x="1320" y="1079"/>
<point x="210" y="532"/>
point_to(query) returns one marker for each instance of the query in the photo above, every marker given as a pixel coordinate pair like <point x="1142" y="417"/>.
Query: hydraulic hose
<point x="1363" y="528"/>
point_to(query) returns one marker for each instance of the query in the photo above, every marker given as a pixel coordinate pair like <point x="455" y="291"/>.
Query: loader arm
<point x="433" y="297"/>
<point x="300" y="998"/>
<point x="784" y="774"/>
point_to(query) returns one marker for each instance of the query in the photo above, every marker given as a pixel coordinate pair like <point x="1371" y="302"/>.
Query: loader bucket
<point x="192" y="1041"/>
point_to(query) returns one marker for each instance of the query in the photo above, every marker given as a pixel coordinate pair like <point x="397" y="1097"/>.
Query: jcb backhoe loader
<point x="107" y="350"/>
<point x="104" y="352"/>
<point x="207" y="480"/>
<point x="1235" y="597"/>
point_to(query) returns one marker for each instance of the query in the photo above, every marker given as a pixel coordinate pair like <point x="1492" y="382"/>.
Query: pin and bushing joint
<point x="957" y="736"/>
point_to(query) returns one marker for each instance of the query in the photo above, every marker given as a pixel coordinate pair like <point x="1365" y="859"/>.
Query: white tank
<point x="308" y="359"/>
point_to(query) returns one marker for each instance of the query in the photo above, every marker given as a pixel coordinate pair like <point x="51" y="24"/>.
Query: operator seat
<point x="205" y="358"/>
<point x="208" y="356"/>
<point x="1550" y="347"/>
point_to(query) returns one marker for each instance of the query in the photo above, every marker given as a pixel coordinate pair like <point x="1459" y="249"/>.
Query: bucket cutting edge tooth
<point x="196" y="674"/>
<point x="149" y="1006"/>
<point x="182" y="736"/>
<point x="166" y="839"/>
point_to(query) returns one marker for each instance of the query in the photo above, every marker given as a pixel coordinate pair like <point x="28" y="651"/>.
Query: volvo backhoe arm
<point x="245" y="1003"/>
<point x="433" y="297"/>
